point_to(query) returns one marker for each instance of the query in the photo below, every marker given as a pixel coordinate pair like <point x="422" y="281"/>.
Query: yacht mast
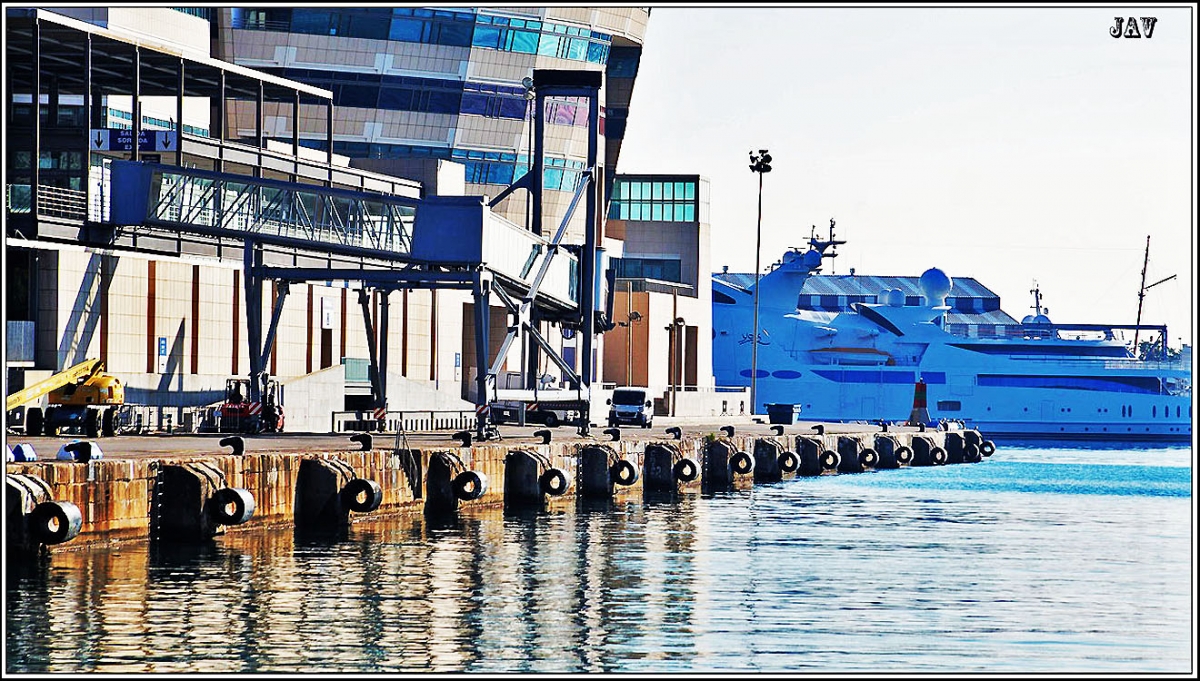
<point x="1141" y="296"/>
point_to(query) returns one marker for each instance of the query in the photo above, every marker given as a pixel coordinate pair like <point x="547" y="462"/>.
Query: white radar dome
<point x="895" y="297"/>
<point x="936" y="286"/>
<point x="812" y="259"/>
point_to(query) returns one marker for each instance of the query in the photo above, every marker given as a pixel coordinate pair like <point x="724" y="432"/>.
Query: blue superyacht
<point x="850" y="348"/>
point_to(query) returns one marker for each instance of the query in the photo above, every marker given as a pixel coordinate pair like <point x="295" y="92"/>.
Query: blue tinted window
<point x="548" y="45"/>
<point x="577" y="50"/>
<point x="474" y="103"/>
<point x="689" y="191"/>
<point x="486" y="36"/>
<point x="408" y="30"/>
<point x="689" y="213"/>
<point x="444" y="102"/>
<point x="656" y="212"/>
<point x="679" y="212"/>
<point x="500" y="173"/>
<point x="363" y="96"/>
<point x="311" y="21"/>
<point x="597" y="52"/>
<point x="552" y="179"/>
<point x="368" y="24"/>
<point x="524" y="42"/>
<point x="623" y="61"/>
<point x="511" y="107"/>
<point x="455" y="33"/>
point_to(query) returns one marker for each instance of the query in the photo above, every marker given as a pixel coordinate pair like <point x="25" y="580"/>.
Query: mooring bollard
<point x="613" y="433"/>
<point x="363" y="440"/>
<point x="728" y="430"/>
<point x="675" y="432"/>
<point x="464" y="438"/>
<point x="236" y="443"/>
<point x="778" y="430"/>
<point x="544" y="434"/>
<point x="192" y="503"/>
<point x="81" y="451"/>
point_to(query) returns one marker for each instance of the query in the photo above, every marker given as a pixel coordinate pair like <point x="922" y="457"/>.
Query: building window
<point x="662" y="269"/>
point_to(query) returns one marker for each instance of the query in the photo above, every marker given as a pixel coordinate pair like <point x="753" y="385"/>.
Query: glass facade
<point x="663" y="269"/>
<point x="657" y="200"/>
<point x="435" y="27"/>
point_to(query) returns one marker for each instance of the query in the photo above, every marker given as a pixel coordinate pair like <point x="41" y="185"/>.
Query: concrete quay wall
<point x="116" y="497"/>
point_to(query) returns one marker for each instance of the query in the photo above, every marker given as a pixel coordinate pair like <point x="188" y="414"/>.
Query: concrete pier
<point x="196" y="496"/>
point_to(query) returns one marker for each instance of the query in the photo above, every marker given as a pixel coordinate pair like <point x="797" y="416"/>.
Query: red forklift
<point x="239" y="415"/>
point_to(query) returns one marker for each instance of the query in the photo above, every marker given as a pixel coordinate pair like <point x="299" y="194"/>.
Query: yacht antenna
<point x="1142" y="294"/>
<point x="1037" y="299"/>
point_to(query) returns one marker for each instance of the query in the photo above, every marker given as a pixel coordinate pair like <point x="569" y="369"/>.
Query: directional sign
<point x="118" y="139"/>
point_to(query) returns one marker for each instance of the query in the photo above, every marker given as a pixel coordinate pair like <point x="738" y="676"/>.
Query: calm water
<point x="1064" y="560"/>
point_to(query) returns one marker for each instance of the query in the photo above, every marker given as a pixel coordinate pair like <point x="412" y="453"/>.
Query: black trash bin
<point x="786" y="414"/>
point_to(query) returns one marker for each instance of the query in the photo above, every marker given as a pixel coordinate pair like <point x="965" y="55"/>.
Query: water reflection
<point x="950" y="569"/>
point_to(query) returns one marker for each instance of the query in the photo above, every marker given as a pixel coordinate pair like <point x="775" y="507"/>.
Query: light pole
<point x="759" y="164"/>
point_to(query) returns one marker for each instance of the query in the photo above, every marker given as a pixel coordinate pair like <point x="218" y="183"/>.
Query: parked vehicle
<point x="82" y="396"/>
<point x="630" y="406"/>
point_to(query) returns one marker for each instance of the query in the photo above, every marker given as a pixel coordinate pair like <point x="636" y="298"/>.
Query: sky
<point x="1016" y="146"/>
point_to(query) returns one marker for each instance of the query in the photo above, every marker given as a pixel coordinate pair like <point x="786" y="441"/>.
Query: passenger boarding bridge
<point x="292" y="231"/>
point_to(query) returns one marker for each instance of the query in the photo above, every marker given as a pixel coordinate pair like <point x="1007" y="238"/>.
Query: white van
<point x="631" y="406"/>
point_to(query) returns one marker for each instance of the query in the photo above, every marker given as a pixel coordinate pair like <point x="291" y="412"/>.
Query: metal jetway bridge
<point x="392" y="242"/>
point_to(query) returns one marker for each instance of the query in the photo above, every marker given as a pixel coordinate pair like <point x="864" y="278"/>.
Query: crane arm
<point x="73" y="374"/>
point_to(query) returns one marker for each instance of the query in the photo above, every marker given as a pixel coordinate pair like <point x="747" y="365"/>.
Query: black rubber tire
<point x="869" y="458"/>
<point x="241" y="500"/>
<point x="741" y="463"/>
<point x="54" y="522"/>
<point x="33" y="421"/>
<point x="623" y="472"/>
<point x="938" y="456"/>
<point x="987" y="448"/>
<point x="91" y="423"/>
<point x="469" y="485"/>
<point x="789" y="462"/>
<point x="904" y="455"/>
<point x="108" y="422"/>
<point x="971" y="453"/>
<point x="685" y="470"/>
<point x="830" y="460"/>
<point x="553" y="482"/>
<point x="48" y="427"/>
<point x="551" y="420"/>
<point x="361" y="495"/>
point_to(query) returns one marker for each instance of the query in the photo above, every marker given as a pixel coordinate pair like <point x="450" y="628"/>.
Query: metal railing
<point x="409" y="421"/>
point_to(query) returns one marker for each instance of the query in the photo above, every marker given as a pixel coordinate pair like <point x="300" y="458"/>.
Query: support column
<point x="36" y="150"/>
<point x="134" y="154"/>
<point x="384" y="314"/>
<point x="373" y="369"/>
<point x="179" y="117"/>
<point x="482" y="294"/>
<point x="251" y="261"/>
